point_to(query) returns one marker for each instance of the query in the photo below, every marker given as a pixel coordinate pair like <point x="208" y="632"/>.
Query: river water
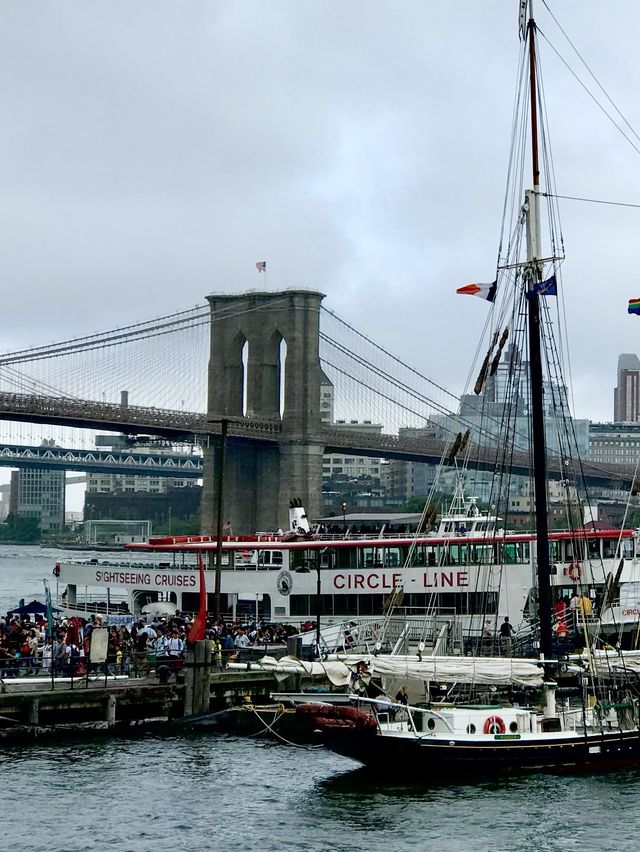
<point x="204" y="792"/>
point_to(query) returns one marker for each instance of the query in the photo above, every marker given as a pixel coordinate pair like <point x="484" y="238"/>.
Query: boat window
<point x="244" y="559"/>
<point x="297" y="561"/>
<point x="461" y="603"/>
<point x="511" y="554"/>
<point x="471" y="729"/>
<point x="594" y="548"/>
<point x="276" y="557"/>
<point x="627" y="548"/>
<point x="609" y="548"/>
<point x="372" y="557"/>
<point x="346" y="558"/>
<point x="481" y="554"/>
<point x="418" y="557"/>
<point x="392" y="557"/>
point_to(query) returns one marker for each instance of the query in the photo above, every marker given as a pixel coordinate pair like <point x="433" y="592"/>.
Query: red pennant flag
<point x="199" y="625"/>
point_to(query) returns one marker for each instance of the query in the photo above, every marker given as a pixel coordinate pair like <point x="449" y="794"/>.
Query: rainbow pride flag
<point x="634" y="306"/>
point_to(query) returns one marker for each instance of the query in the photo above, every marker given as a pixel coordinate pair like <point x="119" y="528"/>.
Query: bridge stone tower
<point x="248" y="374"/>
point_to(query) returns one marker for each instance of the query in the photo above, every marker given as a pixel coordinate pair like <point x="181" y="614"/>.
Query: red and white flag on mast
<point x="261" y="265"/>
<point x="484" y="291"/>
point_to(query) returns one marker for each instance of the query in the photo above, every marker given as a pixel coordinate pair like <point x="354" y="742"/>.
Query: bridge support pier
<point x="265" y="365"/>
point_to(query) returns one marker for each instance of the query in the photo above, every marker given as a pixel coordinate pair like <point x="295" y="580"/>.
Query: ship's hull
<point x="430" y="757"/>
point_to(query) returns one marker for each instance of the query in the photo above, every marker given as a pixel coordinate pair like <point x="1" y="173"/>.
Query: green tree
<point x="20" y="528"/>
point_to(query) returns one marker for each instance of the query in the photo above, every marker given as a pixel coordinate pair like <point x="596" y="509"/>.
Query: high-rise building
<point x="39" y="494"/>
<point x="327" y="399"/>
<point x="626" y="396"/>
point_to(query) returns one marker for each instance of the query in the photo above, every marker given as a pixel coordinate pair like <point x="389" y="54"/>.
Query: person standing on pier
<point x="175" y="647"/>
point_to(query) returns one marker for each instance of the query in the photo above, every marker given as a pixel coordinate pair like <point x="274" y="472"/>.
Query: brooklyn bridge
<point x="256" y="362"/>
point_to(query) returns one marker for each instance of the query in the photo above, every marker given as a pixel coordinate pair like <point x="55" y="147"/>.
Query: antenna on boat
<point x="533" y="276"/>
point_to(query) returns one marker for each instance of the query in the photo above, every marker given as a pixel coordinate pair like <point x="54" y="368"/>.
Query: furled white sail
<point x="495" y="671"/>
<point x="338" y="673"/>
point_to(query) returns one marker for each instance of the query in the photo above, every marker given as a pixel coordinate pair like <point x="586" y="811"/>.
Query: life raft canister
<point x="575" y="571"/>
<point x="494" y="725"/>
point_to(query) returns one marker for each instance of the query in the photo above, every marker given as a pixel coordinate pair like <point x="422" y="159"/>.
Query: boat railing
<point x="117" y="604"/>
<point x="424" y="629"/>
<point x="390" y="713"/>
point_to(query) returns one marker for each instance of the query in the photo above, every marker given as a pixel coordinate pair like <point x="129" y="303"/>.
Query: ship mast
<point x="533" y="276"/>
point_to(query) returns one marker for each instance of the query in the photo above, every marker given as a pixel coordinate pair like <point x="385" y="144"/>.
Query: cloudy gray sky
<point x="152" y="151"/>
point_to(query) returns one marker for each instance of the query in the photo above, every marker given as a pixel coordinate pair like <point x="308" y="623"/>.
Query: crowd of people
<point x="27" y="648"/>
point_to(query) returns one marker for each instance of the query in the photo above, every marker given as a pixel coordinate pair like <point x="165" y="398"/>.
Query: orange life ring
<point x="494" y="725"/>
<point x="575" y="571"/>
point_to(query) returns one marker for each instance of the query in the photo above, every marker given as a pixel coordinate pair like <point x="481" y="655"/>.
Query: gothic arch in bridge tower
<point x="232" y="373"/>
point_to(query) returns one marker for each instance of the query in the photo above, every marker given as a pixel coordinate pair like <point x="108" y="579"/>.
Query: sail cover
<point x="337" y="672"/>
<point x="493" y="671"/>
<point x="340" y="668"/>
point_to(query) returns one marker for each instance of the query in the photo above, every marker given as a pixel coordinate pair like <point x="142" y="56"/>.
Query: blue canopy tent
<point x="33" y="608"/>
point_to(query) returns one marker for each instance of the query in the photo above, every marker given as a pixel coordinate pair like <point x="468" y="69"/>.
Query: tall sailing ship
<point x="554" y="710"/>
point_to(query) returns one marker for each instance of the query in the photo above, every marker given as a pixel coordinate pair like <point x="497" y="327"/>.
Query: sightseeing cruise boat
<point x="468" y="567"/>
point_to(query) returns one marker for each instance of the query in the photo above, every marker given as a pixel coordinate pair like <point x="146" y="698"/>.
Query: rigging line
<point x="93" y="341"/>
<point x="591" y="95"/>
<point x="98" y="334"/>
<point x="66" y="347"/>
<point x="379" y="393"/>
<point x="392" y="380"/>
<point x="398" y="384"/>
<point x="590" y="200"/>
<point x="591" y="74"/>
<point x="11" y="375"/>
<point x="119" y="340"/>
<point x="406" y="408"/>
<point x="385" y="352"/>
<point x="513" y="150"/>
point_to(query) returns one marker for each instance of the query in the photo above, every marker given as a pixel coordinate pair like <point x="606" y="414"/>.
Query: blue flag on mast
<point x="545" y="288"/>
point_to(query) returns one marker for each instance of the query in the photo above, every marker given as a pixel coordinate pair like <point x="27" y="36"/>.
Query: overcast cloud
<point x="152" y="151"/>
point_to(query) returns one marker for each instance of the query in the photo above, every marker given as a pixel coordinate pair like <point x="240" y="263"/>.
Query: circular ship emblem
<point x="284" y="583"/>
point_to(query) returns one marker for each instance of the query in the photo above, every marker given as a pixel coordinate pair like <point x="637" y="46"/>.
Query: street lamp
<point x="219" y="472"/>
<point x="318" y="556"/>
<point x="344" y="520"/>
